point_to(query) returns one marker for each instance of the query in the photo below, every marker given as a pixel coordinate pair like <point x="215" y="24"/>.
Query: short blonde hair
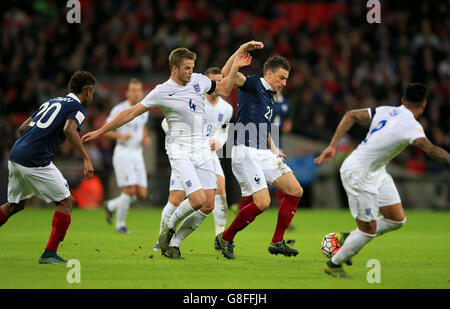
<point x="177" y="56"/>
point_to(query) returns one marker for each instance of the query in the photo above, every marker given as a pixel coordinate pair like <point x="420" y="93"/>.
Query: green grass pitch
<point x="416" y="256"/>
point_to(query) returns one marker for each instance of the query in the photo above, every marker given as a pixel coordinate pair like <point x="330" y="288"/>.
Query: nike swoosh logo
<point x="171" y="94"/>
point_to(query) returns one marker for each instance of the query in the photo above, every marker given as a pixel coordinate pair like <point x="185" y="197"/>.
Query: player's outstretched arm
<point x="70" y="131"/>
<point x="226" y="85"/>
<point x="360" y="116"/>
<point x="123" y="117"/>
<point x="246" y="47"/>
<point x="435" y="152"/>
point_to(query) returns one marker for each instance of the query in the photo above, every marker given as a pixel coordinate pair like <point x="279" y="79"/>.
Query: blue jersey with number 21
<point x="44" y="135"/>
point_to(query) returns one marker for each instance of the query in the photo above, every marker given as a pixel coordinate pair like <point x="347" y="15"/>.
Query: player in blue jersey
<point x="31" y="172"/>
<point x="256" y="160"/>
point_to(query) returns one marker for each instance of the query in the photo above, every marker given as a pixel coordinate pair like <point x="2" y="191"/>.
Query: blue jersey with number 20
<point x="44" y="135"/>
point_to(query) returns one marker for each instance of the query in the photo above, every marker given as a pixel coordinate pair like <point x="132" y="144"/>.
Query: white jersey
<point x="217" y="118"/>
<point x="134" y="128"/>
<point x="391" y="130"/>
<point x="184" y="109"/>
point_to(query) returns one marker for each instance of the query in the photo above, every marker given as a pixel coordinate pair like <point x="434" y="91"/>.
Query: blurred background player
<point x="128" y="159"/>
<point x="181" y="100"/>
<point x="256" y="161"/>
<point x="218" y="114"/>
<point x="31" y="171"/>
<point x="368" y="185"/>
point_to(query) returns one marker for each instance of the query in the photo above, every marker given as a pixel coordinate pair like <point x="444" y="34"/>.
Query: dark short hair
<point x="415" y="93"/>
<point x="134" y="80"/>
<point x="177" y="56"/>
<point x="212" y="71"/>
<point x="79" y="80"/>
<point x="276" y="62"/>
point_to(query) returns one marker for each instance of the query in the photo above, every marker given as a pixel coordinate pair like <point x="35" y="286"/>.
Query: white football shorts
<point x="46" y="183"/>
<point x="255" y="168"/>
<point x="365" y="205"/>
<point x="189" y="178"/>
<point x="129" y="167"/>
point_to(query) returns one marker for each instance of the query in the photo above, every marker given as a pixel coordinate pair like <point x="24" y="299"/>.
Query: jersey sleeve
<point x="250" y="83"/>
<point x="78" y="114"/>
<point x="206" y="85"/>
<point x="152" y="98"/>
<point x="412" y="131"/>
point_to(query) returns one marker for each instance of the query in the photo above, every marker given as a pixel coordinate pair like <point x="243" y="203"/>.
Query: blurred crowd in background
<point x="339" y="61"/>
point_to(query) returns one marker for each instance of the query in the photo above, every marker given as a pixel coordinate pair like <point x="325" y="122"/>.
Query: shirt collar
<point x="73" y="96"/>
<point x="265" y="84"/>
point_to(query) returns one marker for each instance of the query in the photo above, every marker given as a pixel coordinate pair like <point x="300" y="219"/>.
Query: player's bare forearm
<point x="249" y="46"/>
<point x="360" y="116"/>
<point x="122" y="118"/>
<point x="435" y="152"/>
<point x="70" y="131"/>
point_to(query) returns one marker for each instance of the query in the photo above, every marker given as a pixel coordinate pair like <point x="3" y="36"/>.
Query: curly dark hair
<point x="79" y="80"/>
<point x="415" y="93"/>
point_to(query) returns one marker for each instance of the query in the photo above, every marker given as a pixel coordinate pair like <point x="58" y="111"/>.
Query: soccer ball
<point x="330" y="245"/>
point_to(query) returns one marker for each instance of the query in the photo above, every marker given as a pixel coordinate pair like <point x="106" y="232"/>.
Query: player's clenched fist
<point x="88" y="169"/>
<point x="252" y="45"/>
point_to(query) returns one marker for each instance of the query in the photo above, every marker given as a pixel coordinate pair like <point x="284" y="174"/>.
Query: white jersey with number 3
<point x="217" y="117"/>
<point x="184" y="110"/>
<point x="391" y="130"/>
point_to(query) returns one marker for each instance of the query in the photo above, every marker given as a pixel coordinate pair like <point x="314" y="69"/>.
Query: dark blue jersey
<point x="255" y="108"/>
<point x="280" y="114"/>
<point x="45" y="135"/>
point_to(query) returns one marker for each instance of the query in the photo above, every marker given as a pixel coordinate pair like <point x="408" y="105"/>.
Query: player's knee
<point x="197" y="199"/>
<point x="263" y="204"/>
<point x="141" y="195"/>
<point x="297" y="191"/>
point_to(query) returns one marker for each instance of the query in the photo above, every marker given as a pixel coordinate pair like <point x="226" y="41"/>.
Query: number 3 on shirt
<point x="268" y="115"/>
<point x="379" y="126"/>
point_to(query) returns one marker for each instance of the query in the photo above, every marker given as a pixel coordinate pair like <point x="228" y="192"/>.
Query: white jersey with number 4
<point x="134" y="128"/>
<point x="184" y="110"/>
<point x="391" y="130"/>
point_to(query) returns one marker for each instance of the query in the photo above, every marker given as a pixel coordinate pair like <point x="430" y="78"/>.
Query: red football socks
<point x="245" y="200"/>
<point x="3" y="218"/>
<point x="280" y="195"/>
<point x="60" y="224"/>
<point x="244" y="218"/>
<point x="286" y="212"/>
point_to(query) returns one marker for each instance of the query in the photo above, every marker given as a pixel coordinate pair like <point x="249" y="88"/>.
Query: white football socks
<point x="220" y="212"/>
<point x="354" y="242"/>
<point x="123" y="205"/>
<point x="385" y="225"/>
<point x="166" y="213"/>
<point x="190" y="224"/>
<point x="182" y="211"/>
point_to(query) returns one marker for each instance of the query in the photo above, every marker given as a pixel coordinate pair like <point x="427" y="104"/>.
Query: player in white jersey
<point x="128" y="160"/>
<point x="181" y="100"/>
<point x="218" y="114"/>
<point x="369" y="187"/>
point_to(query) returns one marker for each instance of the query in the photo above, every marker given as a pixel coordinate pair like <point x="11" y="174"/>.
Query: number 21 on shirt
<point x="269" y="112"/>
